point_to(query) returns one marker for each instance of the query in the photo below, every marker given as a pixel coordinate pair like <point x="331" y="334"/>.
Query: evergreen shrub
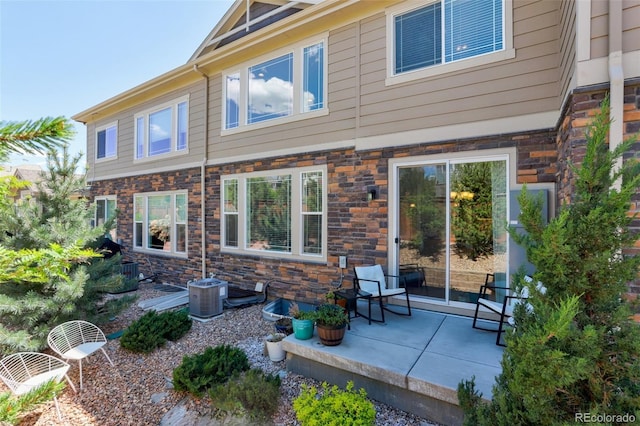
<point x="198" y="373"/>
<point x="576" y="353"/>
<point x="152" y="330"/>
<point x="254" y="394"/>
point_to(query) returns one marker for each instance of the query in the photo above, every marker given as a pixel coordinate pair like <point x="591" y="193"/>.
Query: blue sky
<point x="62" y="57"/>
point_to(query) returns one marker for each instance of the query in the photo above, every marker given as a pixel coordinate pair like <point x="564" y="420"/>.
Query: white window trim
<point x="98" y="130"/>
<point x="105" y="198"/>
<point x="508" y="51"/>
<point x="296" y="215"/>
<point x="173" y="104"/>
<point x="298" y="113"/>
<point x="145" y="224"/>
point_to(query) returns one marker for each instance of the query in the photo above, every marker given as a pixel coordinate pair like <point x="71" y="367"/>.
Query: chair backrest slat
<point x="18" y="368"/>
<point x="71" y="334"/>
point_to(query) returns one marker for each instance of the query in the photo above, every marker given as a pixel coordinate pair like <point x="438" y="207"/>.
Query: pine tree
<point x="577" y="350"/>
<point x="46" y="255"/>
<point x="34" y="137"/>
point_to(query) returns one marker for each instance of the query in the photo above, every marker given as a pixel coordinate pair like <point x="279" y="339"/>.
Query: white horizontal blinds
<point x="418" y="38"/>
<point x="181" y="223"/>
<point x="269" y="213"/>
<point x="138" y="219"/>
<point x="312" y="212"/>
<point x="472" y="27"/>
<point x="230" y="212"/>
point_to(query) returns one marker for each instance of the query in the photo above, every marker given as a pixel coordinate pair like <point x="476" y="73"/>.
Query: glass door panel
<point x="422" y="229"/>
<point x="477" y="227"/>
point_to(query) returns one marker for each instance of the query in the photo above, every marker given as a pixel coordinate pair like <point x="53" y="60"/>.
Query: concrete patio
<point x="412" y="363"/>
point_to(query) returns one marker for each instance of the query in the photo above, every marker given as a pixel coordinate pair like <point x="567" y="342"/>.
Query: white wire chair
<point x="25" y="371"/>
<point x="76" y="340"/>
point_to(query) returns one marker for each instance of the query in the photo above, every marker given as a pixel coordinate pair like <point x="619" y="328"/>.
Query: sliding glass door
<point x="452" y="218"/>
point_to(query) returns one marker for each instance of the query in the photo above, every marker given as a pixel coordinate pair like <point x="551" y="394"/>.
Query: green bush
<point x="576" y="350"/>
<point x="335" y="407"/>
<point x="200" y="372"/>
<point x="253" y="394"/>
<point x="152" y="330"/>
<point x="14" y="408"/>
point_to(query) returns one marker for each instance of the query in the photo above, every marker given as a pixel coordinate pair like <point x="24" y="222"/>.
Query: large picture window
<point x="278" y="214"/>
<point x="162" y="130"/>
<point x="107" y="141"/>
<point x="160" y="222"/>
<point x="446" y="31"/>
<point x="287" y="85"/>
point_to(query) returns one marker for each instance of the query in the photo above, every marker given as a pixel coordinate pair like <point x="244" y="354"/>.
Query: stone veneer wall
<point x="171" y="269"/>
<point x="357" y="228"/>
<point x="571" y="142"/>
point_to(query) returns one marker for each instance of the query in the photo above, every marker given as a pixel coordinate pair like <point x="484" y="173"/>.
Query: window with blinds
<point x="447" y="31"/>
<point x="276" y="213"/>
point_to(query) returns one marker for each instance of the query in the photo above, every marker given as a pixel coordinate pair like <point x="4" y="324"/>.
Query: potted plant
<point x="302" y="322"/>
<point x="284" y="325"/>
<point x="331" y="298"/>
<point x="274" y="346"/>
<point x="331" y="322"/>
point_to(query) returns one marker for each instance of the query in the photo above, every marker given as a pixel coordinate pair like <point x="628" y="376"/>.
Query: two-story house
<point x="391" y="132"/>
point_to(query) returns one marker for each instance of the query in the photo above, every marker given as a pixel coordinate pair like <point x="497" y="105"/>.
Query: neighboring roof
<point x="32" y="174"/>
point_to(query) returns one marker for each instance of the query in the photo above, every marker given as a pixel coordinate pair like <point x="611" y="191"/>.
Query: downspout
<point x="616" y="79"/>
<point x="203" y="227"/>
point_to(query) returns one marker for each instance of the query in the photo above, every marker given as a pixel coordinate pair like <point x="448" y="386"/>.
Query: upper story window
<point x="162" y="130"/>
<point x="160" y="221"/>
<point x="277" y="213"/>
<point x="288" y="85"/>
<point x="107" y="141"/>
<point x="444" y="32"/>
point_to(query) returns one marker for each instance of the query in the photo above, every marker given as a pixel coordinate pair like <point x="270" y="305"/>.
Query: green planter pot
<point x="302" y="329"/>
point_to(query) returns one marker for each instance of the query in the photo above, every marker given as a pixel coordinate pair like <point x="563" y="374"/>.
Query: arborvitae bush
<point x="198" y="373"/>
<point x="334" y="406"/>
<point x="254" y="394"/>
<point x="152" y="330"/>
<point x="577" y="352"/>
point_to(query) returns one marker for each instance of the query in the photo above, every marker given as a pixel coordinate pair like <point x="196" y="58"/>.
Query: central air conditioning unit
<point x="206" y="297"/>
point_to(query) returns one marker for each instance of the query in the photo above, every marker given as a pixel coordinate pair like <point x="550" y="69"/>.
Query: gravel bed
<point x="137" y="390"/>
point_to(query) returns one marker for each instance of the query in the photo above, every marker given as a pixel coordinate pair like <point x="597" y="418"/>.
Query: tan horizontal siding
<point x="301" y="134"/>
<point x="631" y="27"/>
<point x="524" y="85"/>
<point x="124" y="164"/>
<point x="567" y="45"/>
<point x="599" y="29"/>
